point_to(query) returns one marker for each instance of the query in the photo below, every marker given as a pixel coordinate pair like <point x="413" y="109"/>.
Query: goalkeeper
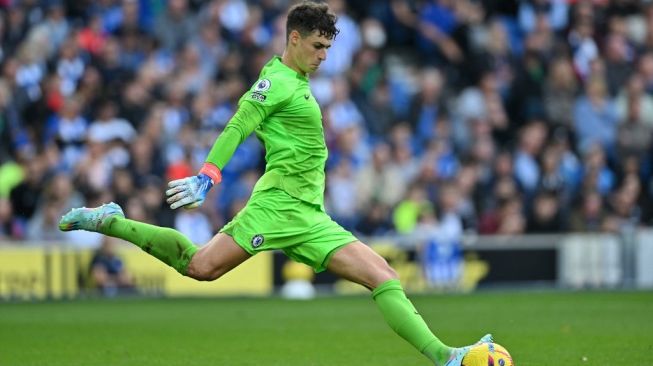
<point x="286" y="209"/>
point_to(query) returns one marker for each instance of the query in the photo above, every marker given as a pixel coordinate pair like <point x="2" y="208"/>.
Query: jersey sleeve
<point x="261" y="100"/>
<point x="269" y="93"/>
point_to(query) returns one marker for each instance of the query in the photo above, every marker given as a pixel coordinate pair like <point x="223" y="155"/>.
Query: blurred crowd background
<point x="456" y="116"/>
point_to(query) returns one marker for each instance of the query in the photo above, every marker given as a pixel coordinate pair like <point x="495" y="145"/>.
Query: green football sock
<point x="168" y="245"/>
<point x="402" y="317"/>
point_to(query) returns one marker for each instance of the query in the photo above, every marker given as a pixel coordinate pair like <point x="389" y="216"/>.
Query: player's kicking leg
<point x="358" y="263"/>
<point x="217" y="257"/>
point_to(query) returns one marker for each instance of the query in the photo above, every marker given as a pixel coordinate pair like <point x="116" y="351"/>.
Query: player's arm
<point x="190" y="192"/>
<point x="242" y="124"/>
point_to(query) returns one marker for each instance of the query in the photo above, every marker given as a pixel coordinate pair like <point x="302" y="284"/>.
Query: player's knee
<point x="202" y="271"/>
<point x="204" y="275"/>
<point x="383" y="274"/>
<point x="389" y="273"/>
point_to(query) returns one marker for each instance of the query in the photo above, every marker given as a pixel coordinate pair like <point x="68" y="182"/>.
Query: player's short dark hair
<point x="309" y="16"/>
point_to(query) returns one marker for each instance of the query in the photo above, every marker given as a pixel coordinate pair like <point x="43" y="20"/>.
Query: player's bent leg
<point x="166" y="244"/>
<point x="220" y="255"/>
<point x="359" y="263"/>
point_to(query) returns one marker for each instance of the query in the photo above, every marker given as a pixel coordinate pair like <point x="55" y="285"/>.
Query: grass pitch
<point x="539" y="329"/>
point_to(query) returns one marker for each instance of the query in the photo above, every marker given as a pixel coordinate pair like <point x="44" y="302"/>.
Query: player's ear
<point x="294" y="37"/>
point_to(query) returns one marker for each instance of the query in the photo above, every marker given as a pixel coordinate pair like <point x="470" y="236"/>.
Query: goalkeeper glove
<point x="190" y="192"/>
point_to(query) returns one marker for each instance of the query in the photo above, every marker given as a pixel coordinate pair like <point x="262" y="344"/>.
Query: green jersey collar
<point x="276" y="64"/>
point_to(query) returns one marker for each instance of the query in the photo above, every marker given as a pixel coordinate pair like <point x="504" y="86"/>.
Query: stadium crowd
<point x="482" y="116"/>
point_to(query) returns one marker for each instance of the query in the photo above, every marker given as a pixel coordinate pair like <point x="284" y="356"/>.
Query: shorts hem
<point x="325" y="263"/>
<point x="245" y="247"/>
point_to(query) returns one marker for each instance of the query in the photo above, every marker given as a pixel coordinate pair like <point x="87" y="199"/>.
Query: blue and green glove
<point x="190" y="192"/>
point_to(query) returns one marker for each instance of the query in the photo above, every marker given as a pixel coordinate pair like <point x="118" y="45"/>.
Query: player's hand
<point x="188" y="192"/>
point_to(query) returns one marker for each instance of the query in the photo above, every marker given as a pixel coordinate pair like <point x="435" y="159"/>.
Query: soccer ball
<point x="488" y="354"/>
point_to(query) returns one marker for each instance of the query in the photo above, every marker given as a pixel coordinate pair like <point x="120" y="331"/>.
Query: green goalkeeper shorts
<point x="272" y="219"/>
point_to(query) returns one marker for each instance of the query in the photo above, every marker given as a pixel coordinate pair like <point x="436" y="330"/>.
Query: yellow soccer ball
<point x="488" y="354"/>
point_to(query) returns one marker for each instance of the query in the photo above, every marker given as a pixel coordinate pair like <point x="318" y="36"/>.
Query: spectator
<point x="17" y="27"/>
<point x="496" y="56"/>
<point x="130" y="20"/>
<point x="554" y="11"/>
<point x="25" y="196"/>
<point x="437" y="22"/>
<point x="195" y="225"/>
<point x="68" y="129"/>
<point x="645" y="69"/>
<point x="70" y="67"/>
<point x="427" y="106"/>
<point x="633" y="102"/>
<point x="92" y="37"/>
<point x="109" y="127"/>
<point x="135" y="103"/>
<point x="527" y="169"/>
<point x="467" y="182"/>
<point x="479" y="110"/>
<point x="595" y="117"/>
<point x="93" y="172"/>
<point x="440" y="249"/>
<point x="375" y="221"/>
<point x="54" y="30"/>
<point x="634" y="137"/>
<point x="546" y="215"/>
<point x="560" y="91"/>
<point x="527" y="91"/>
<point x="379" y="181"/>
<point x="402" y="156"/>
<point x="619" y="56"/>
<point x="133" y="51"/>
<point x="7" y="226"/>
<point x="585" y="50"/>
<point x="377" y="110"/>
<point x="589" y="214"/>
<point x="483" y="155"/>
<point x="122" y="185"/>
<point x="408" y="211"/>
<point x="211" y="48"/>
<point x="108" y="272"/>
<point x="44" y="225"/>
<point x="625" y="210"/>
<point x="58" y="197"/>
<point x="343" y="112"/>
<point x="449" y="207"/>
<point x="508" y="219"/>
<point x="341" y="194"/>
<point x="145" y="160"/>
<point x="190" y="74"/>
<point x="597" y="175"/>
<point x="400" y="16"/>
<point x="152" y="196"/>
<point x="112" y="70"/>
<point x="175" y="25"/>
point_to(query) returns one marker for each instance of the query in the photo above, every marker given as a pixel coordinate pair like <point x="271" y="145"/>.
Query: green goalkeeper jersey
<point x="285" y="116"/>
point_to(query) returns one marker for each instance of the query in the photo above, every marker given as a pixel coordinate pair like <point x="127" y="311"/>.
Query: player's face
<point x="311" y="51"/>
